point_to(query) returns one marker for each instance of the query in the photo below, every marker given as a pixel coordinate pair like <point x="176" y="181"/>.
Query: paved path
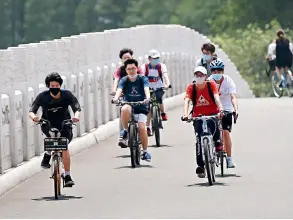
<point x="260" y="187"/>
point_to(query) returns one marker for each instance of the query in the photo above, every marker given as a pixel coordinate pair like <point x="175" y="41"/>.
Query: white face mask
<point x="133" y="76"/>
<point x="199" y="80"/>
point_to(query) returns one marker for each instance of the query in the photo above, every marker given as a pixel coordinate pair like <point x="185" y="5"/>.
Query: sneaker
<point x="68" y="181"/>
<point x="200" y="172"/>
<point x="146" y="156"/>
<point x="46" y="161"/>
<point x="123" y="139"/>
<point x="230" y="163"/>
<point x="164" y="117"/>
<point x="149" y="132"/>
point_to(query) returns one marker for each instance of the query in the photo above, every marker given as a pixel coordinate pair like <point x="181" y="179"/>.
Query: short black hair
<point x="124" y="51"/>
<point x="131" y="61"/>
<point x="209" y="47"/>
<point x="53" y="77"/>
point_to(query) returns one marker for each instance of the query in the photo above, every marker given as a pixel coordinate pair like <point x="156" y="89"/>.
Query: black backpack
<point x="194" y="94"/>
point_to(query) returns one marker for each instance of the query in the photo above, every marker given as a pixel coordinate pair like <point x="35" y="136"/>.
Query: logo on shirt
<point x="134" y="92"/>
<point x="54" y="109"/>
<point x="202" y="101"/>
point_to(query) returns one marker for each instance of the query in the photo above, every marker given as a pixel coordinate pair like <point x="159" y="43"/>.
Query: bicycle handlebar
<point x="128" y="103"/>
<point x="161" y="88"/>
<point x="64" y="122"/>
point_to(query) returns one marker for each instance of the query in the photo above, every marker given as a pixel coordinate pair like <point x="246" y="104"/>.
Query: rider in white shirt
<point x="158" y="78"/>
<point x="227" y="92"/>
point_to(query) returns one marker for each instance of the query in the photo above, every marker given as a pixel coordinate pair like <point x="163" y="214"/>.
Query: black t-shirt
<point x="283" y="49"/>
<point x="55" y="110"/>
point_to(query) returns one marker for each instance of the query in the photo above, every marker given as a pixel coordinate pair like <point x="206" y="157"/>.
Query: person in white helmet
<point x="227" y="92"/>
<point x="158" y="78"/>
<point x="206" y="101"/>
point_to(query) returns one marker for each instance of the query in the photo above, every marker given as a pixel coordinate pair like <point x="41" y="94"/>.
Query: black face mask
<point x="55" y="91"/>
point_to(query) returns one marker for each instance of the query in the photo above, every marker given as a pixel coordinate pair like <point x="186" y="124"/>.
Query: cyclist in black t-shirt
<point x="54" y="103"/>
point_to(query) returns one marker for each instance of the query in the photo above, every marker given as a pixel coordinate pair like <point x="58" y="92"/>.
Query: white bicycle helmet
<point x="154" y="54"/>
<point x="217" y="64"/>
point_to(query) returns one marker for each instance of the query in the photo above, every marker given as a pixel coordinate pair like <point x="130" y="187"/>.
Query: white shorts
<point x="140" y="118"/>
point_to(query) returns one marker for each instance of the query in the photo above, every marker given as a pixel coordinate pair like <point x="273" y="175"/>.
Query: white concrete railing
<point x="86" y="63"/>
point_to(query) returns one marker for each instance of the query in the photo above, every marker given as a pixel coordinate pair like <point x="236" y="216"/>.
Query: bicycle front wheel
<point x="289" y="83"/>
<point x="156" y="124"/>
<point x="208" y="164"/>
<point x="56" y="177"/>
<point x="132" y="142"/>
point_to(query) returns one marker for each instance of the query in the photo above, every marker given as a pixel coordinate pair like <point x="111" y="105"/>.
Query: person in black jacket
<point x="54" y="103"/>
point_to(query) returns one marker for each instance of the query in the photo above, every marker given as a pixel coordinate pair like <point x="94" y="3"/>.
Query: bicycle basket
<point x="55" y="144"/>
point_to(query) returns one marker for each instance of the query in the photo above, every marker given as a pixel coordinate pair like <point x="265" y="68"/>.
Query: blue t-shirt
<point x="134" y="91"/>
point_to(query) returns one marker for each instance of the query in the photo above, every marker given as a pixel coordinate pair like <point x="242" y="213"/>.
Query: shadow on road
<point x="61" y="197"/>
<point x="206" y="184"/>
<point x="227" y="175"/>
<point x="162" y="145"/>
<point x="123" y="156"/>
<point x="130" y="167"/>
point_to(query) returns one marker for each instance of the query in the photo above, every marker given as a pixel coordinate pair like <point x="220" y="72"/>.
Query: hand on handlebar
<point x="113" y="93"/>
<point x="36" y="119"/>
<point x="115" y="101"/>
<point x="147" y="101"/>
<point x="74" y="119"/>
<point x="184" y="118"/>
<point x="221" y="114"/>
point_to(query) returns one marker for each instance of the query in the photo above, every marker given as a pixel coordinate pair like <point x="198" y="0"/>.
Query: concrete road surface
<point x="106" y="187"/>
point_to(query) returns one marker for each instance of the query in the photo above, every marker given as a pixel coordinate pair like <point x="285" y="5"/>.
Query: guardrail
<point x="87" y="63"/>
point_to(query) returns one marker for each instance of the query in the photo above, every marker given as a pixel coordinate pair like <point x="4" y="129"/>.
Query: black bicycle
<point x="222" y="155"/>
<point x="207" y="145"/>
<point x="134" y="143"/>
<point x="156" y="118"/>
<point x="55" y="145"/>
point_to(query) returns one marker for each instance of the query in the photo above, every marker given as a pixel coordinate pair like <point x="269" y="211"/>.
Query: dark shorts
<point x="159" y="95"/>
<point x="272" y="64"/>
<point x="67" y="132"/>
<point x="227" y="122"/>
<point x="283" y="63"/>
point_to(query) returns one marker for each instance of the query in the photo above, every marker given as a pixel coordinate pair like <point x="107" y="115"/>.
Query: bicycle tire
<point x="207" y="162"/>
<point x="138" y="151"/>
<point x="131" y="144"/>
<point x="156" y="125"/>
<point x="222" y="156"/>
<point x="289" y="84"/>
<point x="273" y="84"/>
<point x="56" y="177"/>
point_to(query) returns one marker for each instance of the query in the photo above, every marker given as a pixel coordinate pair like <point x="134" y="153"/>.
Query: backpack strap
<point x="210" y="91"/>
<point x="146" y="70"/>
<point x="205" y="65"/>
<point x="193" y="98"/>
<point x="159" y="67"/>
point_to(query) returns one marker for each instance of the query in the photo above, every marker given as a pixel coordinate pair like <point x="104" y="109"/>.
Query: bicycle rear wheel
<point x="132" y="145"/>
<point x="289" y="83"/>
<point x="156" y="124"/>
<point x="208" y="164"/>
<point x="222" y="159"/>
<point x="56" y="177"/>
<point x="278" y="92"/>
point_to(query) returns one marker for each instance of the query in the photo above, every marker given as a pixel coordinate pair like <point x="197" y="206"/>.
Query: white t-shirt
<point x="227" y="87"/>
<point x="154" y="76"/>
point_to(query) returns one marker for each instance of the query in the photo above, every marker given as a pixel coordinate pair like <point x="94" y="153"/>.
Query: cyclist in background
<point x="124" y="54"/>
<point x="284" y="57"/>
<point x="227" y="92"/>
<point x="271" y="57"/>
<point x="206" y="101"/>
<point x="158" y="78"/>
<point x="135" y="88"/>
<point x="209" y="55"/>
<point x="54" y="103"/>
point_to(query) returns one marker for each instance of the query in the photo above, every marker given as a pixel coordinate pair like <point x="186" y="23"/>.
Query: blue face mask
<point x="206" y="57"/>
<point x="155" y="62"/>
<point x="217" y="77"/>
